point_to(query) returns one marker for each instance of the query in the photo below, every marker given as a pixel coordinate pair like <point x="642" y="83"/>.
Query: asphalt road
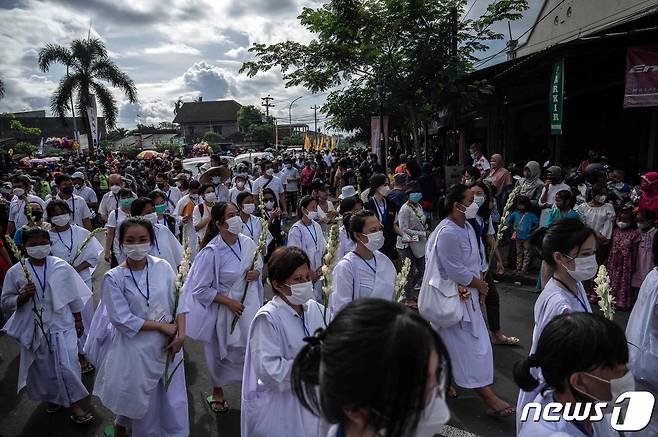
<point x="21" y="417"/>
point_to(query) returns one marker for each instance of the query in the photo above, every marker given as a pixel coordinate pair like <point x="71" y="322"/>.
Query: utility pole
<point x="267" y="105"/>
<point x="315" y="117"/>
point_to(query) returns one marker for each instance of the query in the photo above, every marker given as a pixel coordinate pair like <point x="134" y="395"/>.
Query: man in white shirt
<point x="83" y="190"/>
<point x="328" y="159"/>
<point x="268" y="180"/>
<point x="480" y="161"/>
<point x="21" y="189"/>
<point x="80" y="213"/>
<point x="292" y="185"/>
<point x="172" y="194"/>
<point x="110" y="200"/>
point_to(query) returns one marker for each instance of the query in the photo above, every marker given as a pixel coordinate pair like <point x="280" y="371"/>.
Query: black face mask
<point x="37" y="215"/>
<point x="68" y="190"/>
<point x="161" y="186"/>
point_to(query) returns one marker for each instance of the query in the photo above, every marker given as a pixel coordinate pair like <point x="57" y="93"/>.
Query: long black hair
<point x="136" y="221"/>
<point x="217" y="214"/>
<point x="570" y="343"/>
<point x="455" y="194"/>
<point x="354" y="222"/>
<point x="356" y="363"/>
<point x="562" y="237"/>
<point x="485" y="210"/>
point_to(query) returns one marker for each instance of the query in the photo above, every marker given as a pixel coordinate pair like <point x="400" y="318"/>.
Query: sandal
<point x="504" y="412"/>
<point x="451" y="392"/>
<point x="53" y="408"/>
<point x="507" y="341"/>
<point x="81" y="418"/>
<point x="212" y="402"/>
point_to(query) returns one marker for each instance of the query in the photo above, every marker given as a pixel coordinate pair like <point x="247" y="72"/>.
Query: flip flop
<point x="211" y="403"/>
<point x="503" y="412"/>
<point x="81" y="419"/>
<point x="508" y="341"/>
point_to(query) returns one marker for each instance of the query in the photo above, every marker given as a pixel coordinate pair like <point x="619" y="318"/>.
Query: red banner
<point x="641" y="77"/>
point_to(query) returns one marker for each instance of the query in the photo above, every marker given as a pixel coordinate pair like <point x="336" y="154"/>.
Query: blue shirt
<point x="522" y="223"/>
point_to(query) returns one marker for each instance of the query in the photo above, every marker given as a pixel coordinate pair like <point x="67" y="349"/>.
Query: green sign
<point x="556" y="97"/>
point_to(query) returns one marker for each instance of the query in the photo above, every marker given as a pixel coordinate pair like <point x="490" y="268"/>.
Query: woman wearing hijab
<point x="530" y="184"/>
<point x="649" y="187"/>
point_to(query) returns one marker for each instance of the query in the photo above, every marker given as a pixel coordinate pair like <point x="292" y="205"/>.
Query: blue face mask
<point x="415" y="197"/>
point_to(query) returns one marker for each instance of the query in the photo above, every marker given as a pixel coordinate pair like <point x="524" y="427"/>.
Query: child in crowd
<point x="562" y="209"/>
<point x="644" y="264"/>
<point x="622" y="259"/>
<point x="523" y="222"/>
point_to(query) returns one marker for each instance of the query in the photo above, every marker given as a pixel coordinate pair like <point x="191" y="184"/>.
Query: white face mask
<point x="235" y="225"/>
<point x="115" y="189"/>
<point x="38" y="252"/>
<point x="137" y="252"/>
<point x="618" y="386"/>
<point x="194" y="196"/>
<point x="479" y="200"/>
<point x="210" y="197"/>
<point x="623" y="225"/>
<point x="585" y="268"/>
<point x="269" y="171"/>
<point x="152" y="217"/>
<point x="312" y="215"/>
<point x="601" y="199"/>
<point x="301" y="293"/>
<point x="249" y="208"/>
<point x="178" y="184"/>
<point x="269" y="204"/>
<point x="435" y="414"/>
<point x="61" y="220"/>
<point x="384" y="190"/>
<point x="18" y="192"/>
<point x="471" y="210"/>
<point x="375" y="241"/>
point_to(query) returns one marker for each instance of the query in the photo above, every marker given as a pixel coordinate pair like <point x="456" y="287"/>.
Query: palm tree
<point x="88" y="71"/>
<point x="2" y="89"/>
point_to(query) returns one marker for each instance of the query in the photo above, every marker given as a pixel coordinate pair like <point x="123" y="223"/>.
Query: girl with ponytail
<point x="348" y="206"/>
<point x="582" y="358"/>
<point x="352" y="376"/>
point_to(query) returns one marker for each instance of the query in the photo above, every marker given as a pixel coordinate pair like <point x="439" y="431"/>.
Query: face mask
<point x="473" y="156"/>
<point x="644" y="226"/>
<point x="38" y="252"/>
<point x="194" y="196"/>
<point x="160" y="209"/>
<point x="471" y="211"/>
<point x="19" y="192"/>
<point x="479" y="200"/>
<point x="38" y="215"/>
<point x="301" y="293"/>
<point x="179" y="184"/>
<point x="239" y="184"/>
<point x="312" y="215"/>
<point x="269" y="204"/>
<point x="435" y="414"/>
<point x="288" y="166"/>
<point x="161" y="186"/>
<point x="137" y="252"/>
<point x="601" y="199"/>
<point x="152" y="217"/>
<point x="235" y="225"/>
<point x="269" y="171"/>
<point x="585" y="268"/>
<point x="415" y="197"/>
<point x="125" y="203"/>
<point x="68" y="190"/>
<point x="61" y="220"/>
<point x="78" y="186"/>
<point x="216" y="180"/>
<point x="210" y="197"/>
<point x="249" y="208"/>
<point x="375" y="241"/>
<point x="115" y="189"/>
<point x="623" y="225"/>
<point x="384" y="190"/>
<point x="618" y="386"/>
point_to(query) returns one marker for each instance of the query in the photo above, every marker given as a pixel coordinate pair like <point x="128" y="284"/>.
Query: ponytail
<point x="305" y="373"/>
<point x="522" y="375"/>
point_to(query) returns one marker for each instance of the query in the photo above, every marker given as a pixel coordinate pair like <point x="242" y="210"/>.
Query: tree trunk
<point x="414" y="132"/>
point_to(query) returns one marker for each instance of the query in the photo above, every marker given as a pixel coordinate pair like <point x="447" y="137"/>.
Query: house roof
<point x="200" y="112"/>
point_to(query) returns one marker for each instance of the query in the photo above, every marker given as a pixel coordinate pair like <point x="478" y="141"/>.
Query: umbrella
<point x="148" y="154"/>
<point x="222" y="171"/>
<point x="38" y="161"/>
<point x="270" y="150"/>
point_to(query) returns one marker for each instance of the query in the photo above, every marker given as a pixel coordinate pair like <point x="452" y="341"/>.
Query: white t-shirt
<point x="234" y="192"/>
<point x="109" y="202"/>
<point x="197" y="217"/>
<point x="274" y="184"/>
<point x="482" y="164"/>
<point x="281" y="175"/>
<point x="291" y="173"/>
<point x="17" y="210"/>
<point x="86" y="193"/>
<point x="172" y="196"/>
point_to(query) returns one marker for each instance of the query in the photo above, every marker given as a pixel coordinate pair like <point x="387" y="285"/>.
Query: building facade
<point x="197" y="118"/>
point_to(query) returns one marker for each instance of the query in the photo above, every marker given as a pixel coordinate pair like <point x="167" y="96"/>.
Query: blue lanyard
<point x="70" y="249"/>
<point x="250" y="227"/>
<point x="234" y="253"/>
<point x="306" y="333"/>
<point x="41" y="284"/>
<point x="315" y="231"/>
<point x="146" y="296"/>
<point x="374" y="257"/>
<point x="382" y="214"/>
<point x="582" y="304"/>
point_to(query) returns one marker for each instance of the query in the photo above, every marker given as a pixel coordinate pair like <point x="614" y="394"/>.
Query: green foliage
<point x="248" y="116"/>
<point x="262" y="133"/>
<point x="15" y="124"/>
<point x="116" y="134"/>
<point x="130" y="150"/>
<point x="172" y="148"/>
<point x="294" y="140"/>
<point x="211" y="137"/>
<point x="24" y="148"/>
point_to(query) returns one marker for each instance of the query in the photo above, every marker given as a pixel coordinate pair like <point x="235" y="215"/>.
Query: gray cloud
<point x="208" y="80"/>
<point x="115" y="11"/>
<point x="261" y="7"/>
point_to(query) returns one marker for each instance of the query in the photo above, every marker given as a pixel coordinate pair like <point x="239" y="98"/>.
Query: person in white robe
<point x="453" y="253"/>
<point x="113" y="255"/>
<point x="219" y="278"/>
<point x="66" y="242"/>
<point x="49" y="365"/>
<point x="348" y="205"/>
<point x="269" y="408"/>
<point x="307" y="234"/>
<point x="252" y="224"/>
<point x="568" y="245"/>
<point x="364" y="272"/>
<point x="183" y="213"/>
<point x="149" y="322"/>
<point x="80" y="213"/>
<point x="201" y="213"/>
<point x="165" y="245"/>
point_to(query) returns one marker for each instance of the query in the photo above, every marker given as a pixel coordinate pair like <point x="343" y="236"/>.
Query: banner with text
<point x="556" y="97"/>
<point x="92" y="116"/>
<point x="641" y="77"/>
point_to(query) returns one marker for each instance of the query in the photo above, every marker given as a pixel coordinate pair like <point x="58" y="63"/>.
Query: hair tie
<point x="317" y="338"/>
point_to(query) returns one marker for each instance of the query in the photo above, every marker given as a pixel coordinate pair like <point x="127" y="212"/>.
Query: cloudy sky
<point x="170" y="48"/>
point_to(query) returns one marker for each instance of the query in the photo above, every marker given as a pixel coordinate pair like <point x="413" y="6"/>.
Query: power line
<point x="267" y="105"/>
<point x="469" y="11"/>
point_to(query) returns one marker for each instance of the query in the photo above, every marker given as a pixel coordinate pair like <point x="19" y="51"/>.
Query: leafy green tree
<point x="14" y="123"/>
<point x="211" y="137"/>
<point x="89" y="71"/>
<point x="293" y="140"/>
<point x="116" y="134"/>
<point x="248" y="116"/>
<point x="24" y="148"/>
<point x="172" y="148"/>
<point x="419" y="51"/>
<point x="262" y="133"/>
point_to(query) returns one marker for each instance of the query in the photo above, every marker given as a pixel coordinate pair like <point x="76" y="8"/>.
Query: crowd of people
<point x="336" y="350"/>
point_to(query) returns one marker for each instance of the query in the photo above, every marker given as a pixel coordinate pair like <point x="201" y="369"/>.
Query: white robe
<point x="311" y="240"/>
<point x="65" y="245"/>
<point x="129" y="381"/>
<point x="642" y="332"/>
<point x="269" y="408"/>
<point x="167" y="247"/>
<point x="457" y="258"/>
<point x="217" y="270"/>
<point x="345" y="244"/>
<point x="348" y="280"/>
<point x="253" y="228"/>
<point x="192" y="239"/>
<point x="553" y="301"/>
<point x="50" y="376"/>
